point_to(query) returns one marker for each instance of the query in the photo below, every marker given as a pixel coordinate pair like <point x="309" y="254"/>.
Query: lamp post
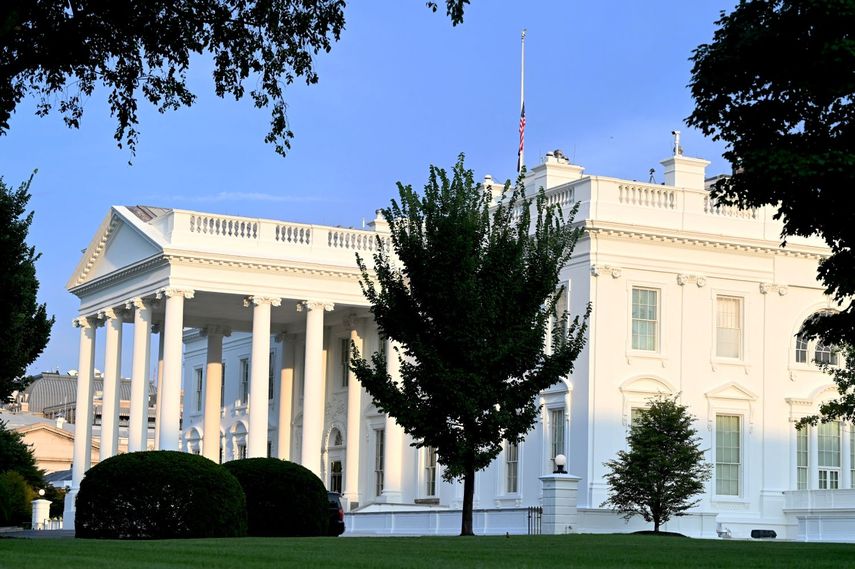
<point x="560" y="462"/>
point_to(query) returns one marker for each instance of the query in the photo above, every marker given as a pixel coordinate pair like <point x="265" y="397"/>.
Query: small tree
<point x="24" y="324"/>
<point x="663" y="468"/>
<point x="468" y="299"/>
<point x="16" y="456"/>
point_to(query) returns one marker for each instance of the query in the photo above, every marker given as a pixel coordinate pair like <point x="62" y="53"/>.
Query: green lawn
<point x="429" y="552"/>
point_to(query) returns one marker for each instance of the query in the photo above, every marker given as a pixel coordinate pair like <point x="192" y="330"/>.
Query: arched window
<point x="809" y="350"/>
<point x="336" y="439"/>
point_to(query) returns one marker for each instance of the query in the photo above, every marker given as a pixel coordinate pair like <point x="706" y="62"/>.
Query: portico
<point x="282" y="286"/>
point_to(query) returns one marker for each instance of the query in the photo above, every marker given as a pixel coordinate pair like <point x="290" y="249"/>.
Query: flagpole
<point x="521" y="156"/>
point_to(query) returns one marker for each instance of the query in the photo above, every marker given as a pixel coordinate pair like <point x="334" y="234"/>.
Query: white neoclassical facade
<point x="253" y="318"/>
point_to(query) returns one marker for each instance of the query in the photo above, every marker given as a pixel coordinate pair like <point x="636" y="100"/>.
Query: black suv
<point x="336" y="526"/>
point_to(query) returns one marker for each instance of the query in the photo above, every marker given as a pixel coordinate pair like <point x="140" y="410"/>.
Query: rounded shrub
<point x="282" y="498"/>
<point x="159" y="495"/>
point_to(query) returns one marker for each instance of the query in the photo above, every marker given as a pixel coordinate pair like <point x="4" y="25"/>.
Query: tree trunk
<point x="656" y="525"/>
<point x="468" y="498"/>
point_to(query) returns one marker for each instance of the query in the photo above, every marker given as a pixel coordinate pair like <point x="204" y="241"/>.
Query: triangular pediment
<point x="731" y="390"/>
<point x="647" y="385"/>
<point x="117" y="245"/>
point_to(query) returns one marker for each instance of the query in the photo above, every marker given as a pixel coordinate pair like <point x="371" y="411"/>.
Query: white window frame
<point x="199" y="380"/>
<point x="344" y="361"/>
<point x="741" y="315"/>
<point x="430" y="472"/>
<point x="657" y="321"/>
<point x="243" y="381"/>
<point x="512" y="469"/>
<point x="740" y="465"/>
<point x="829" y="477"/>
<point x="271" y="376"/>
<point x="379" y="460"/>
<point x="557" y="426"/>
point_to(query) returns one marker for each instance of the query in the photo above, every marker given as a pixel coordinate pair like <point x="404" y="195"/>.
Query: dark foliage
<point x="159" y="495"/>
<point x="16" y="456"/>
<point x="469" y="293"/>
<point x="283" y="499"/>
<point x="60" y="51"/>
<point x="776" y="84"/>
<point x="24" y="325"/>
<point x="16" y="498"/>
<point x="663" y="469"/>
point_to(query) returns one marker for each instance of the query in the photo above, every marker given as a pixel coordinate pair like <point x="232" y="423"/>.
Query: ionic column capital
<point x="315" y="305"/>
<point x="352" y="321"/>
<point x="138" y="303"/>
<point x="111" y="314"/>
<point x="259" y="300"/>
<point x="215" y="330"/>
<point x="86" y="322"/>
<point x="170" y="292"/>
<point x="157" y="327"/>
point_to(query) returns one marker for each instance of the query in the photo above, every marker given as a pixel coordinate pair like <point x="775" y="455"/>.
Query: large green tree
<point x="24" y="324"/>
<point x="777" y="85"/>
<point x="16" y="456"/>
<point x="664" y="468"/>
<point x="60" y="50"/>
<point x="468" y="294"/>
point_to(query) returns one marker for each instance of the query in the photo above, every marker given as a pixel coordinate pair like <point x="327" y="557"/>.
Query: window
<point x="269" y="449"/>
<point x="221" y="451"/>
<point x="727" y="455"/>
<point x="512" y="455"/>
<point x="241" y="451"/>
<point x="378" y="461"/>
<point x="825" y="354"/>
<point x="335" y="476"/>
<point x="802" y="454"/>
<point x="728" y="327"/>
<point x="645" y="319"/>
<point x="345" y="361"/>
<point x="198" y="374"/>
<point x="243" y="388"/>
<point x="801" y="349"/>
<point x="430" y="471"/>
<point x="635" y="415"/>
<point x="851" y="457"/>
<point x="828" y="450"/>
<point x="270" y="387"/>
<point x="556" y="419"/>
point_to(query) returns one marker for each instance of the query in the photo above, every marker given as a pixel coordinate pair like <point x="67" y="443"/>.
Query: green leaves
<point x="663" y="468"/>
<point x="467" y="291"/>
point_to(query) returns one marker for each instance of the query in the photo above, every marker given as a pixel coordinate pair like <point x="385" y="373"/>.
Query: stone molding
<point x="86" y="322"/>
<point x="169" y="292"/>
<point x="215" y="329"/>
<point x="699" y="280"/>
<point x="766" y="288"/>
<point x="315" y="305"/>
<point x="615" y="272"/>
<point x="258" y="300"/>
<point x="111" y="314"/>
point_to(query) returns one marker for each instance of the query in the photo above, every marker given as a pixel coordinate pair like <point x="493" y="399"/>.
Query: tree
<point x="663" y="468"/>
<point x="842" y="408"/>
<point x="468" y="296"/>
<point x="16" y="456"/>
<point x="59" y="51"/>
<point x="776" y="85"/>
<point x="24" y="324"/>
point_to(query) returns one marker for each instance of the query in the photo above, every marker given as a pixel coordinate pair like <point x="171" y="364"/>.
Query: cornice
<point x="700" y="241"/>
<point x="259" y="265"/>
<point x="119" y="275"/>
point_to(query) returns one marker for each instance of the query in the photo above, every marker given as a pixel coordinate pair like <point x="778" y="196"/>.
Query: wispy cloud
<point x="217" y="197"/>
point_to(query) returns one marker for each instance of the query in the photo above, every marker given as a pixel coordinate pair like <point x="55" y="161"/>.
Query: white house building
<point x="693" y="299"/>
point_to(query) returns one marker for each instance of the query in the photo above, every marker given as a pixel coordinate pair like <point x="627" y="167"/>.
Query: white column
<point x="158" y="395"/>
<point x="286" y="397"/>
<point x="394" y="437"/>
<point x="82" y="415"/>
<point x="313" y="384"/>
<point x="213" y="389"/>
<point x="112" y="386"/>
<point x="259" y="397"/>
<point x="354" y="413"/>
<point x="138" y="422"/>
<point x="173" y="348"/>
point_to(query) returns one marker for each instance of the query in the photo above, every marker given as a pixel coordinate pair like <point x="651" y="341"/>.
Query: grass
<point x="572" y="551"/>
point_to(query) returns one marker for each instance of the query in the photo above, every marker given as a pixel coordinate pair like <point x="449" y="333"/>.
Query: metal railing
<point x="535" y="517"/>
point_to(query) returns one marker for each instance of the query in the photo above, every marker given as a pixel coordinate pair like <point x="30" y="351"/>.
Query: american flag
<point x="522" y="138"/>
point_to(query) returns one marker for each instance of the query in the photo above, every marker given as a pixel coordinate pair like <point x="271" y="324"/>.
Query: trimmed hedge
<point x="159" y="495"/>
<point x="283" y="499"/>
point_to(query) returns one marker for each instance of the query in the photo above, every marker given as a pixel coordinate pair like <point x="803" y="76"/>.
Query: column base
<point x="69" y="511"/>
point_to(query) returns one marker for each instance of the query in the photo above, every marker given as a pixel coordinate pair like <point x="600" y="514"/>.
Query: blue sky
<point x="605" y="82"/>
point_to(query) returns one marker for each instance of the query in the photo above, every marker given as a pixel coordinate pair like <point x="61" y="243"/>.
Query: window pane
<point x="828" y="444"/>
<point x="644" y="319"/>
<point x="378" y="461"/>
<point x="801" y="349"/>
<point x="556" y="417"/>
<point x="727" y="454"/>
<point x="802" y="459"/>
<point x="728" y="327"/>
<point x="512" y="462"/>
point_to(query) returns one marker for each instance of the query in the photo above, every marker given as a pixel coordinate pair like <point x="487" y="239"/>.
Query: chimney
<point x="683" y="171"/>
<point x="379" y="224"/>
<point x="555" y="170"/>
<point x="60" y="421"/>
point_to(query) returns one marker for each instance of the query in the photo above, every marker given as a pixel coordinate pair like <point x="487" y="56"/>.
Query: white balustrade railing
<point x="662" y="197"/>
<point x="712" y="208"/>
<point x="562" y="197"/>
<point x="354" y="239"/>
<point x="223" y="226"/>
<point x="292" y="234"/>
